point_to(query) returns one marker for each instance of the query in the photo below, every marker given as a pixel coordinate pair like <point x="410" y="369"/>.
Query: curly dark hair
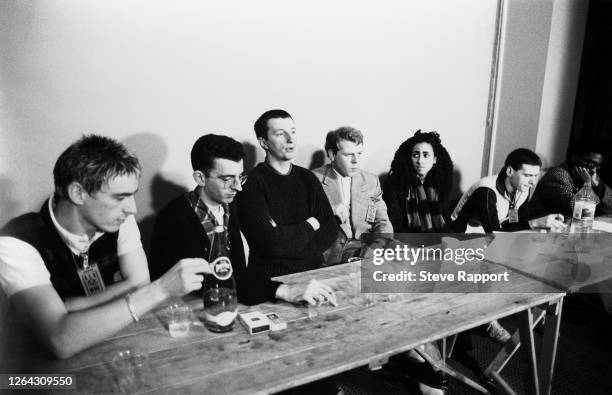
<point x="402" y="174"/>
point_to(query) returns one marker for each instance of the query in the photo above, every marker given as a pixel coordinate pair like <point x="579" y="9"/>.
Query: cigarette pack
<point x="254" y="322"/>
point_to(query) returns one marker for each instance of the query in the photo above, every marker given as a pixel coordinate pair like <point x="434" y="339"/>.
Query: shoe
<point x="413" y="372"/>
<point x="497" y="332"/>
<point x="425" y="373"/>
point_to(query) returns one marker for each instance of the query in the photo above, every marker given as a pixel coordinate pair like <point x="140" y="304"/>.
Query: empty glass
<point x="128" y="368"/>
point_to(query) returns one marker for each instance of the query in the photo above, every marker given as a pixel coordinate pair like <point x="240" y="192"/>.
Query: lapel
<point x="331" y="185"/>
<point x="332" y="188"/>
<point x="359" y="188"/>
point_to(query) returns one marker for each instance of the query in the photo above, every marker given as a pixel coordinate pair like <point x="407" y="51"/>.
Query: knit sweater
<point x="273" y="209"/>
<point x="555" y="194"/>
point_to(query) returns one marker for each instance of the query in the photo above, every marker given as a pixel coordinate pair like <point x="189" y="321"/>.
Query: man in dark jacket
<point x="184" y="227"/>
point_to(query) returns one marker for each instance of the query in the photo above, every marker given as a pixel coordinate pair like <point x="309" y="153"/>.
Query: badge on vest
<point x="371" y="213"/>
<point x="513" y="215"/>
<point x="90" y="277"/>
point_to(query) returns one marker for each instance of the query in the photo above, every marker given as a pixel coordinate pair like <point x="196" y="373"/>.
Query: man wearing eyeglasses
<point x="555" y="191"/>
<point x="185" y="226"/>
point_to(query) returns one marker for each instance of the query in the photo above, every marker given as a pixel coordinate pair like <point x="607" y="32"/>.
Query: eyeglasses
<point x="230" y="181"/>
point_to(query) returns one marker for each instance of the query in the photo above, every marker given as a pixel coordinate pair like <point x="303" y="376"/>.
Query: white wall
<point x="539" y="69"/>
<point x="525" y="36"/>
<point x="156" y="75"/>
<point x="561" y="79"/>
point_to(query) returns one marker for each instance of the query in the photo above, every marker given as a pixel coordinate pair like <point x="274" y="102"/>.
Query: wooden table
<point x="347" y="337"/>
<point x="570" y="262"/>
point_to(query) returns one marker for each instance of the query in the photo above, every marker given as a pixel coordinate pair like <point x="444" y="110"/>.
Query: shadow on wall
<point x="152" y="152"/>
<point x="456" y="191"/>
<point x="162" y="191"/>
<point x="318" y="159"/>
<point x="382" y="177"/>
<point x="8" y="205"/>
<point x="250" y="159"/>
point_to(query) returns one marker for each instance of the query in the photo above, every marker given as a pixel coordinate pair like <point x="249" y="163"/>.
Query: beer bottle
<point x="220" y="301"/>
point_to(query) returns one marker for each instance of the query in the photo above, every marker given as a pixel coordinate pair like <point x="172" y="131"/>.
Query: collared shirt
<point x="513" y="197"/>
<point x="205" y="215"/>
<point x="345" y="194"/>
<point x="345" y="188"/>
<point x="78" y="244"/>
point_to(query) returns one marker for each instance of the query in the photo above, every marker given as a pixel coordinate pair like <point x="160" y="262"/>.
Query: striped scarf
<point x="423" y="210"/>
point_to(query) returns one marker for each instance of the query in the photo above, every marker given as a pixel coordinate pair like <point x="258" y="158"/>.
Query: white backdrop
<point x="157" y="74"/>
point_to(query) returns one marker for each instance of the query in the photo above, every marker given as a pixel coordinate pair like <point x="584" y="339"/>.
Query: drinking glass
<point x="128" y="368"/>
<point x="179" y="320"/>
<point x="359" y="298"/>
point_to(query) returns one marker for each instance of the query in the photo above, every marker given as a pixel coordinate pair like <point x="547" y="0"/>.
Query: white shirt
<point x="345" y="194"/>
<point x="345" y="188"/>
<point x="22" y="267"/>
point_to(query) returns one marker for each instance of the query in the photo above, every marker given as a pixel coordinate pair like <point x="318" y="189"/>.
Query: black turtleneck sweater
<point x="273" y="210"/>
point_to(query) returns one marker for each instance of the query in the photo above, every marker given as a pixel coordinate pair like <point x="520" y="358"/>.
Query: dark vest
<point x="37" y="229"/>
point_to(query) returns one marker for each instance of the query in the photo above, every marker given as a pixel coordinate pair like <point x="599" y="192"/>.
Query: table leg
<point x="528" y="341"/>
<point x="549" y="345"/>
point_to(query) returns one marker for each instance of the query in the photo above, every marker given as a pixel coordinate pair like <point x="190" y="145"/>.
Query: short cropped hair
<point x="92" y="161"/>
<point x="261" y="125"/>
<point x="212" y="146"/>
<point x="343" y="133"/>
<point x="587" y="145"/>
<point x="521" y="156"/>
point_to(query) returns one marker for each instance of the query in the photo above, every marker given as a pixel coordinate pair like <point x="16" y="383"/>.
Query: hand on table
<point x="554" y="222"/>
<point x="313" y="292"/>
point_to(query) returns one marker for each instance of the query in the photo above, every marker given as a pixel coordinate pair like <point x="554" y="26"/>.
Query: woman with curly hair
<point x="419" y="184"/>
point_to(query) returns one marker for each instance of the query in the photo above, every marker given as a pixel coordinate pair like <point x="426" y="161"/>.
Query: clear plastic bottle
<point x="220" y="303"/>
<point x="584" y="209"/>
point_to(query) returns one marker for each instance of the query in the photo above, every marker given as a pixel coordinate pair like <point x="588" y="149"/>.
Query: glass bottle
<point x="584" y="209"/>
<point x="220" y="301"/>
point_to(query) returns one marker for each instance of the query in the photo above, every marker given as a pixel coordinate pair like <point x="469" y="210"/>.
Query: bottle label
<point x="584" y="210"/>
<point x="222" y="268"/>
<point x="577" y="210"/>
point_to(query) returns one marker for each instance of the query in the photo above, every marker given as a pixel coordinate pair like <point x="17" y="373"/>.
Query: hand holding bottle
<point x="184" y="277"/>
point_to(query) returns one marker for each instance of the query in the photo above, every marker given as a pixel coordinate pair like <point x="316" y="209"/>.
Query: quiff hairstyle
<point x="342" y="133"/>
<point x="92" y="161"/>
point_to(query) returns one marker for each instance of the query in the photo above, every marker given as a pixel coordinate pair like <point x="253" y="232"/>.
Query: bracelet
<point x="130" y="305"/>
